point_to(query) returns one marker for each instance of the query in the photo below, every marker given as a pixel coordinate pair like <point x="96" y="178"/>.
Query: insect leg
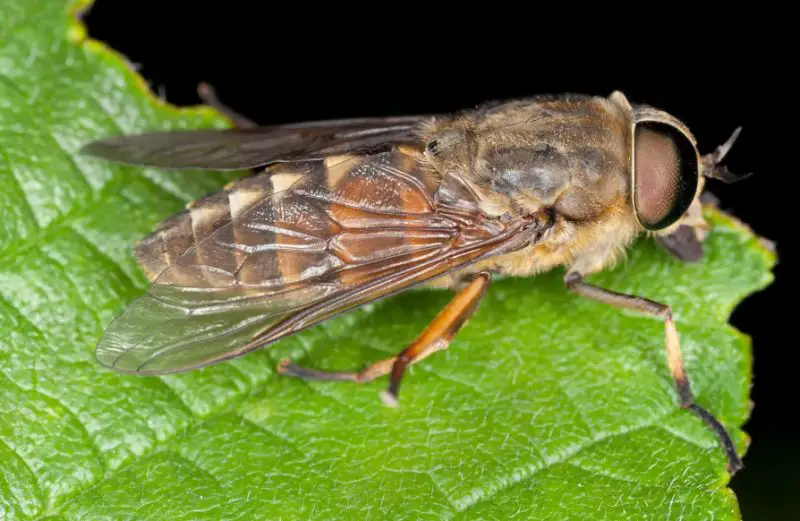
<point x="367" y="375"/>
<point x="686" y="242"/>
<point x="440" y="331"/>
<point x="209" y="96"/>
<point x="574" y="282"/>
<point x="435" y="337"/>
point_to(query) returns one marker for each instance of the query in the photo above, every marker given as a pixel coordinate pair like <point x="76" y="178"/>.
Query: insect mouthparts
<point x="538" y="224"/>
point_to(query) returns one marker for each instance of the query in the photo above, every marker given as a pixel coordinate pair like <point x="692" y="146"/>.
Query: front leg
<point x="574" y="282"/>
<point x="684" y="240"/>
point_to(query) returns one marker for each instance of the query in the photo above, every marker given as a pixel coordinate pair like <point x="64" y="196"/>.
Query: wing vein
<point x="318" y="251"/>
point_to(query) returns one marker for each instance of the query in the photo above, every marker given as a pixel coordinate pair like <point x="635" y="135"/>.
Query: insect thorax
<point x="564" y="154"/>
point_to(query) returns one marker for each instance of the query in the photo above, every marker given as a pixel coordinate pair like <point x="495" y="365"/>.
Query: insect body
<point x="340" y="213"/>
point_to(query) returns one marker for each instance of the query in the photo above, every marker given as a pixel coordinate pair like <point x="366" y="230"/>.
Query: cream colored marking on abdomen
<point x="282" y="182"/>
<point x="335" y="169"/>
<point x="203" y="216"/>
<point x="241" y="200"/>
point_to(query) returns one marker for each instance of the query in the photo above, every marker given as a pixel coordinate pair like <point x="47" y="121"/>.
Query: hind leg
<point x="209" y="97"/>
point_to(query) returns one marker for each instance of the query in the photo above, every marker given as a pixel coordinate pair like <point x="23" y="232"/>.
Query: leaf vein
<point x="444" y="494"/>
<point x="63" y="221"/>
<point x="682" y="435"/>
<point x="570" y="398"/>
<point x="527" y="474"/>
<point x="43" y="337"/>
<point x="50" y="136"/>
<point x="15" y="452"/>
<point x="103" y="257"/>
<point x="161" y="446"/>
<point x="193" y="464"/>
<point x="23" y="194"/>
<point x="77" y="290"/>
<point x="90" y="441"/>
<point x="609" y="475"/>
<point x="263" y="428"/>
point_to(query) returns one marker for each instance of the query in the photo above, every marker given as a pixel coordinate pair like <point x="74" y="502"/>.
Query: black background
<point x="278" y="67"/>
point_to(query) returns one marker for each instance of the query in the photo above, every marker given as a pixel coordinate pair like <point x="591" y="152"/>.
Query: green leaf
<point x="545" y="407"/>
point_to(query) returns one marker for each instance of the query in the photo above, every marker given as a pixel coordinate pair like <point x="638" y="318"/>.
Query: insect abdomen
<point x="317" y="198"/>
<point x="176" y="235"/>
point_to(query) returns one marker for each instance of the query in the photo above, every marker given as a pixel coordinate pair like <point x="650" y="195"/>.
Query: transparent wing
<point x="340" y="236"/>
<point x="236" y="149"/>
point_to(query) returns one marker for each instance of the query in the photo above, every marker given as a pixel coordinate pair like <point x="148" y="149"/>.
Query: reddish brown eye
<point x="665" y="174"/>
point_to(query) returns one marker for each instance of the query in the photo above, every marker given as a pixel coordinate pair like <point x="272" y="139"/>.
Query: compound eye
<point x="665" y="174"/>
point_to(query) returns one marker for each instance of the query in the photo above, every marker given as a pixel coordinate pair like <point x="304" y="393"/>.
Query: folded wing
<point x="237" y="149"/>
<point x="289" y="248"/>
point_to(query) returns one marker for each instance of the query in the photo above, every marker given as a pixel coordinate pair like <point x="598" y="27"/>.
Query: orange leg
<point x="435" y="337"/>
<point x="574" y="282"/>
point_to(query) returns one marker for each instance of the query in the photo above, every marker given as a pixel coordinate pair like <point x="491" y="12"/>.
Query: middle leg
<point x="436" y="337"/>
